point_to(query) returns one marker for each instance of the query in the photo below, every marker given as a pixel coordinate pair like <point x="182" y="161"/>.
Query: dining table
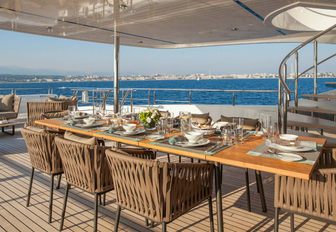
<point x="240" y="155"/>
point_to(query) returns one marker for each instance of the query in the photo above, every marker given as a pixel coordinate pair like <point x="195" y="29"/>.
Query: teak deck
<point x="14" y="216"/>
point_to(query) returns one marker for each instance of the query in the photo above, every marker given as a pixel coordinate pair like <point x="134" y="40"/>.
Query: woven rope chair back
<point x="316" y="197"/>
<point x="159" y="191"/>
<point x="42" y="151"/>
<point x="85" y="166"/>
<point x="138" y="184"/>
<point x="190" y="185"/>
<point x="35" y="110"/>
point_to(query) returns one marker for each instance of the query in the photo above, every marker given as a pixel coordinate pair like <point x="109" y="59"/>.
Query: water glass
<point x="161" y="126"/>
<point x="226" y="136"/>
<point x="170" y="124"/>
<point x="241" y="122"/>
<point x="185" y="118"/>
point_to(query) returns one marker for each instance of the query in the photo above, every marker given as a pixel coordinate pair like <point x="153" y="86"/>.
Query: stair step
<point x="298" y="120"/>
<point x="312" y="109"/>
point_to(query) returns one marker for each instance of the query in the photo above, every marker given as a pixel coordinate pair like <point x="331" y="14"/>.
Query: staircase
<point x="285" y="118"/>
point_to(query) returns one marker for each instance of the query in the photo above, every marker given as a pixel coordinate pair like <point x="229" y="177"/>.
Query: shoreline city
<point x="13" y="78"/>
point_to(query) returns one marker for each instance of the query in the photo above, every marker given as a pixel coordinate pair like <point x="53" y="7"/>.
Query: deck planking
<point x="15" y="216"/>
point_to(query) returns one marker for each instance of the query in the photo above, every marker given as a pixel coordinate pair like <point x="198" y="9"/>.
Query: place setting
<point x="286" y="147"/>
<point x="81" y="120"/>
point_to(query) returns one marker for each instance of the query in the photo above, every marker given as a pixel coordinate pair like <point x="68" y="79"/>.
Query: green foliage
<point x="149" y="117"/>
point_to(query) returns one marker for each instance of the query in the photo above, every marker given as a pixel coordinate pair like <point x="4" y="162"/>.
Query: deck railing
<point x="155" y="96"/>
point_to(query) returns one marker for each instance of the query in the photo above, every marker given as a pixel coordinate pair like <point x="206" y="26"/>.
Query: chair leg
<point x="258" y="190"/>
<point x="64" y="205"/>
<point x="117" y="219"/>
<point x="59" y="181"/>
<point x="248" y="196"/>
<point x="168" y="157"/>
<point x="261" y="189"/>
<point x="104" y="199"/>
<point x="100" y="199"/>
<point x="276" y="219"/>
<point x="51" y="196"/>
<point x="164" y="226"/>
<point x="180" y="159"/>
<point x="191" y="160"/>
<point x="30" y="186"/>
<point x="96" y="203"/>
<point x="292" y="222"/>
<point x="212" y="228"/>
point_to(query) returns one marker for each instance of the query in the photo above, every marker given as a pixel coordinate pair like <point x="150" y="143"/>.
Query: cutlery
<point x="221" y="147"/>
<point x="213" y="146"/>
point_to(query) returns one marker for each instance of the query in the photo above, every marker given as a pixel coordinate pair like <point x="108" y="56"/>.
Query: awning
<point x="154" y="23"/>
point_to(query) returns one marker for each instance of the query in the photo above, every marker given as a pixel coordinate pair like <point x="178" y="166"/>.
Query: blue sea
<point x="197" y="97"/>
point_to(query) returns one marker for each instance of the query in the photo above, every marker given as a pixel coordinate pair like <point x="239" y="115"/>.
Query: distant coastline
<point x="10" y="78"/>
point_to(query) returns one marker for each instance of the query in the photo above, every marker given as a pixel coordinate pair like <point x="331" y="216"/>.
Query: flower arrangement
<point x="149" y="117"/>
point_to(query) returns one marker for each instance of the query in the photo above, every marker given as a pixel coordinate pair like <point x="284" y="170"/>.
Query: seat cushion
<point x="80" y="138"/>
<point x="8" y="115"/>
<point x="62" y="98"/>
<point x="249" y="123"/>
<point x="7" y="103"/>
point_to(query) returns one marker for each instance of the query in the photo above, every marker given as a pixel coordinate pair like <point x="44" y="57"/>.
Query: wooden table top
<point x="234" y="156"/>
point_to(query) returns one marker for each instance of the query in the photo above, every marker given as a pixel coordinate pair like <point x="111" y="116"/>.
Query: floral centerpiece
<point x="149" y="117"/>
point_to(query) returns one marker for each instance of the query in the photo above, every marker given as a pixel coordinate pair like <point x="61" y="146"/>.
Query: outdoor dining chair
<point x="166" y="191"/>
<point x="43" y="157"/>
<point x="139" y="153"/>
<point x="201" y="119"/>
<point x="315" y="198"/>
<point x="85" y="167"/>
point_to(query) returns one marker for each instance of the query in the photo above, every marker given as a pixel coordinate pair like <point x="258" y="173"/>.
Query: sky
<point x="31" y="54"/>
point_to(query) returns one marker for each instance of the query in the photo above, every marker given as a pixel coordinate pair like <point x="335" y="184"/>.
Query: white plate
<point x="96" y="124"/>
<point x="202" y="142"/>
<point x="288" y="157"/>
<point x="136" y="132"/>
<point x="218" y="125"/>
<point x="290" y="148"/>
<point x="288" y="137"/>
<point x="154" y="137"/>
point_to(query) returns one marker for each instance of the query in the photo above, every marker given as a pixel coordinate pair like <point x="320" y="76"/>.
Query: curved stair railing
<point x="284" y="92"/>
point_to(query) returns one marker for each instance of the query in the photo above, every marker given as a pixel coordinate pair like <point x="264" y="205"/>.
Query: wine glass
<point x="72" y="111"/>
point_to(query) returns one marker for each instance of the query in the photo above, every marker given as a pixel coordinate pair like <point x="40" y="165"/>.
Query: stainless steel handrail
<point x="283" y="89"/>
<point x="320" y="62"/>
<point x="295" y="50"/>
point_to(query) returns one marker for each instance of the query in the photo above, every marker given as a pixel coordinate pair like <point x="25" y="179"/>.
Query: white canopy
<point x="158" y="23"/>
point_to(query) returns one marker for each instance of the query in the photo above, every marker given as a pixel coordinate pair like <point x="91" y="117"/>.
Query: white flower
<point x="149" y="120"/>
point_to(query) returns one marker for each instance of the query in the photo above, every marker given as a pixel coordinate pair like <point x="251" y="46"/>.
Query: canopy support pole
<point x="116" y="41"/>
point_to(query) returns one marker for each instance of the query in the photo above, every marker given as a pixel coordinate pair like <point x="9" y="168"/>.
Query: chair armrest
<point x="140" y="153"/>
